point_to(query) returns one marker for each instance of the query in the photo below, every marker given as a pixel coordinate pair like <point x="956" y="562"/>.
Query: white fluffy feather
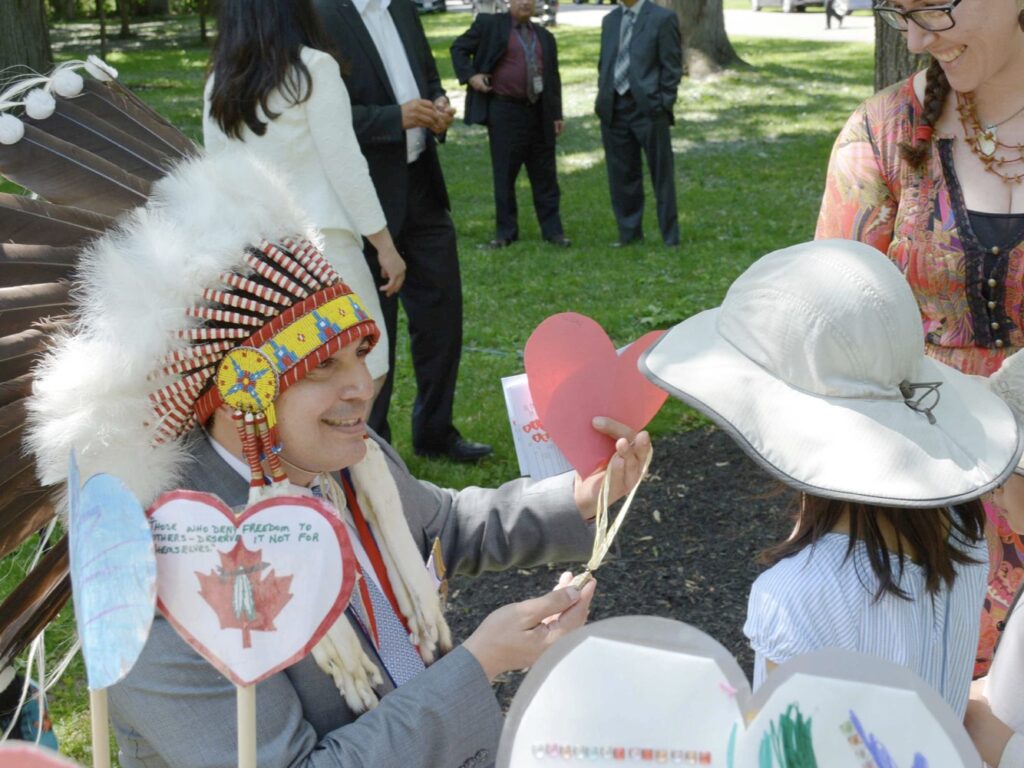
<point x="91" y="391"/>
<point x="99" y="69"/>
<point x="65" y="81"/>
<point x="11" y="129"/>
<point x="39" y="104"/>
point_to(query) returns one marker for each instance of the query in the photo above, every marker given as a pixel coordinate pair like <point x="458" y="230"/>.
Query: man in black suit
<point x="511" y="67"/>
<point x="400" y="111"/>
<point x="638" y="78"/>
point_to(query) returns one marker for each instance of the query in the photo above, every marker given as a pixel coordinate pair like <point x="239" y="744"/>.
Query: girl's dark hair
<point x="257" y="50"/>
<point x="915" y="150"/>
<point x="931" y="534"/>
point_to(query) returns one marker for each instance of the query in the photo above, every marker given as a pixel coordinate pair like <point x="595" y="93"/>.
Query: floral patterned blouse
<point x="969" y="295"/>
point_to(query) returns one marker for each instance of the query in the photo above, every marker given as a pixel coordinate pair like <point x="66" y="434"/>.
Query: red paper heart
<point x="19" y="754"/>
<point x="575" y="374"/>
<point x="298" y="566"/>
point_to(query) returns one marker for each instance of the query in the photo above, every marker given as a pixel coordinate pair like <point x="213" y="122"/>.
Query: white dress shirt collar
<point x="361" y="5"/>
<point x="297" y="490"/>
<point x="382" y="30"/>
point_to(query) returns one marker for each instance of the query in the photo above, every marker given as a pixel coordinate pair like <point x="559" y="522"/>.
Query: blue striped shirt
<point x="815" y="600"/>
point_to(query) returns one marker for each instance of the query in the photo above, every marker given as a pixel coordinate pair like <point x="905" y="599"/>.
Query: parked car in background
<point x="842" y="7"/>
<point x="546" y="11"/>
<point x="430" y="6"/>
<point x="788" y="6"/>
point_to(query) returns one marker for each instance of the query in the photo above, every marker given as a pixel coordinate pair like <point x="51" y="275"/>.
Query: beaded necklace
<point x="1000" y="158"/>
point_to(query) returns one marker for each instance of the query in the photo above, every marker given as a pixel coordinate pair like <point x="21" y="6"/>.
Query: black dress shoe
<point x="560" y="240"/>
<point x="499" y="242"/>
<point x="625" y="243"/>
<point x="459" y="449"/>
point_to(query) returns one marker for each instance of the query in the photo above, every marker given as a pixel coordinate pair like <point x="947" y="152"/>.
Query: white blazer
<point x="314" y="146"/>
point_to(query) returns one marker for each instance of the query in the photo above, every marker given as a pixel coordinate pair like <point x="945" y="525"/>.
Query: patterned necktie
<point x="621" y="79"/>
<point x="397" y="653"/>
<point x="529" y="42"/>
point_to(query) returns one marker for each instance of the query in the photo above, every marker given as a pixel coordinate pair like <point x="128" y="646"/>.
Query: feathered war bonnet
<point x="211" y="291"/>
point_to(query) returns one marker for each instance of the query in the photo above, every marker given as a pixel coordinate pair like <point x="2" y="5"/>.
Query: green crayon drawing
<point x="788" y="744"/>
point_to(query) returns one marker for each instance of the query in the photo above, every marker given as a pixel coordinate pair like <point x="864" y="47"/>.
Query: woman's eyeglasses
<point x="933" y="18"/>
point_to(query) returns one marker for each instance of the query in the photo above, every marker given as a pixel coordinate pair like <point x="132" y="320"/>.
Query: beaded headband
<point x="260" y="336"/>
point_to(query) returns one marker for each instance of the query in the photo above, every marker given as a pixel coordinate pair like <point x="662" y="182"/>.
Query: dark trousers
<point x="517" y="138"/>
<point x="629" y="132"/>
<point x="830" y="12"/>
<point x="432" y="298"/>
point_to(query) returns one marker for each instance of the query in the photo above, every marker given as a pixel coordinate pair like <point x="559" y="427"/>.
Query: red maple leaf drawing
<point x="238" y="594"/>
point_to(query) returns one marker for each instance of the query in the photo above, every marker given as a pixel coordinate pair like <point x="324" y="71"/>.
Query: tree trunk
<point x="706" y="47"/>
<point x="124" y="9"/>
<point x="204" y="7"/>
<point x="65" y="10"/>
<point x="101" y="14"/>
<point x="893" y="60"/>
<point x="24" y="36"/>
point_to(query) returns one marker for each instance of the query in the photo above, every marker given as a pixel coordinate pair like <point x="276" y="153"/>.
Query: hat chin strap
<point x="312" y="472"/>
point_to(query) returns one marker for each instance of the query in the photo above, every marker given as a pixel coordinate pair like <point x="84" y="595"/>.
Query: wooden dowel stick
<point x="246" y="704"/>
<point x="100" y="729"/>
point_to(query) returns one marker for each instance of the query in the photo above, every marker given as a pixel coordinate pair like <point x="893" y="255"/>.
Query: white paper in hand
<point x="538" y="455"/>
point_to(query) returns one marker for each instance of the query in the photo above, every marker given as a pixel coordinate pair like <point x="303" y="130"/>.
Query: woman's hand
<point x="392" y="269"/>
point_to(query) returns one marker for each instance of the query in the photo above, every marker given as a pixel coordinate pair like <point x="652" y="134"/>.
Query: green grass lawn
<point x="751" y="151"/>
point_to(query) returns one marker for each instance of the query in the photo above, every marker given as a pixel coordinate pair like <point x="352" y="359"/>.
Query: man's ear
<point x="223" y="414"/>
<point x="221" y="425"/>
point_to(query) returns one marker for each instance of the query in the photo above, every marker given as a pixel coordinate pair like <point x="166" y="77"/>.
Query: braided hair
<point x="915" y="151"/>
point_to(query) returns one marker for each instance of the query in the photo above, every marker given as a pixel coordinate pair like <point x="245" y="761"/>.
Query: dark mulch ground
<point x="687" y="550"/>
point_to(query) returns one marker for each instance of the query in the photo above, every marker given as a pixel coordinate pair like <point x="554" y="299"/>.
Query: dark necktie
<point x="621" y="78"/>
<point x="396" y="651"/>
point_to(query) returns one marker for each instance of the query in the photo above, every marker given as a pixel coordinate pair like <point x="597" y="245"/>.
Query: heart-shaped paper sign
<point x="254" y="592"/>
<point x="113" y="574"/>
<point x="575" y="374"/>
<point x="640" y="690"/>
<point x="21" y="754"/>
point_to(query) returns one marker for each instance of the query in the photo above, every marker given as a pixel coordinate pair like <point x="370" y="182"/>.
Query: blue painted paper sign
<point x="113" y="574"/>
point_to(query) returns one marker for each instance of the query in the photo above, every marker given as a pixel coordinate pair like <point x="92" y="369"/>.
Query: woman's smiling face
<point x="984" y="42"/>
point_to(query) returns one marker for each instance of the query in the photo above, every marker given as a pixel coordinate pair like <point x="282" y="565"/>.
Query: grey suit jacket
<point x="174" y="709"/>
<point x="655" y="61"/>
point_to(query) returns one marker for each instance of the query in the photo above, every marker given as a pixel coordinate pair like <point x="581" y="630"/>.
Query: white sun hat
<point x="1008" y="383"/>
<point x="815" y="364"/>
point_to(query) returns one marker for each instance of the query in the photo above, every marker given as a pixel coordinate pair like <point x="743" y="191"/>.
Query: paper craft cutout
<point x="575" y="374"/>
<point x="635" y="691"/>
<point x="113" y="574"/>
<point x="538" y="455"/>
<point x="242" y="595"/>
<point x="254" y="592"/>
<point x="23" y="754"/>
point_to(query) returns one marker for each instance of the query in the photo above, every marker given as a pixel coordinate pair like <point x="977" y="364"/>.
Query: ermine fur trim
<point x="416" y="593"/>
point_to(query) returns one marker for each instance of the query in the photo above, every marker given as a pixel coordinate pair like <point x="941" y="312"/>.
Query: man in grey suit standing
<point x="638" y="77"/>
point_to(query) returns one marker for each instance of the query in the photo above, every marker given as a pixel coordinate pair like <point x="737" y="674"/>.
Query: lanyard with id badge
<point x="534" y="80"/>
